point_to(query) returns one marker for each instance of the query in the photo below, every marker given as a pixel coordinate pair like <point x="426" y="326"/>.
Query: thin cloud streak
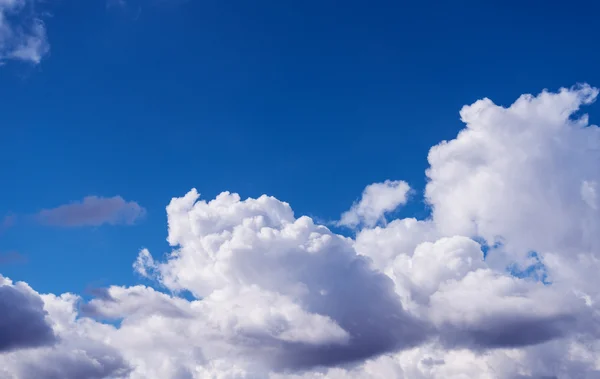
<point x="93" y="211"/>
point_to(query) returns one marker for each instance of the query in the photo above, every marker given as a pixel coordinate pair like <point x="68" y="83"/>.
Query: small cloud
<point x="377" y="200"/>
<point x="144" y="264"/>
<point x="93" y="211"/>
<point x="11" y="257"/>
<point x="7" y="222"/>
<point x="33" y="46"/>
<point x="22" y="32"/>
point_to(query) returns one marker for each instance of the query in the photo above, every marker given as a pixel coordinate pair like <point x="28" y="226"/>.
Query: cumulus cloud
<point x="377" y="200"/>
<point x="224" y="248"/>
<point x="117" y="303"/>
<point x="278" y="296"/>
<point x="93" y="211"/>
<point x="529" y="167"/>
<point x="23" y="321"/>
<point x="22" y="32"/>
<point x="80" y="352"/>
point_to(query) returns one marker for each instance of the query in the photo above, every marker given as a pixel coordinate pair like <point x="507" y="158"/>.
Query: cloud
<point x="531" y="166"/>
<point x="80" y="351"/>
<point x="377" y="200"/>
<point x="275" y="295"/>
<point x="7" y="222"/>
<point x="23" y="319"/>
<point x="22" y="32"/>
<point x="10" y="257"/>
<point x="93" y="211"/>
<point x="225" y="246"/>
<point x="117" y="302"/>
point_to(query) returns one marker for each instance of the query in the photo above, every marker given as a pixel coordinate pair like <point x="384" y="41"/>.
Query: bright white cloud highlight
<point x="521" y="168"/>
<point x="278" y="296"/>
<point x="377" y="200"/>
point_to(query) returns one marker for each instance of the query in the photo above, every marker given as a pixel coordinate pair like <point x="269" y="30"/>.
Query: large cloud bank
<point x="500" y="282"/>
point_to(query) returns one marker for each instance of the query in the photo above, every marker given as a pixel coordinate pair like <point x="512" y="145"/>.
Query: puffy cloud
<point x="23" y="321"/>
<point x="226" y="247"/>
<point x="377" y="200"/>
<point x="93" y="211"/>
<point x="90" y="361"/>
<point x="399" y="237"/>
<point x="22" y="32"/>
<point x="486" y="309"/>
<point x="448" y="283"/>
<point x="278" y="296"/>
<point x="78" y="350"/>
<point x="530" y="167"/>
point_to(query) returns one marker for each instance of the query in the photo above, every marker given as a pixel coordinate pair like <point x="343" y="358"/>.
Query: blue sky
<point x="307" y="101"/>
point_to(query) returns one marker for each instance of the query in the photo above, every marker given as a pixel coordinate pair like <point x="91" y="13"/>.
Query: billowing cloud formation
<point x="313" y="299"/>
<point x="278" y="296"/>
<point x="93" y="211"/>
<point x="377" y="200"/>
<point x="22" y="32"/>
<point x="530" y="167"/>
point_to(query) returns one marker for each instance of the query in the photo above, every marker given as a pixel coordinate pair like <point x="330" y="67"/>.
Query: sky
<point x="122" y="119"/>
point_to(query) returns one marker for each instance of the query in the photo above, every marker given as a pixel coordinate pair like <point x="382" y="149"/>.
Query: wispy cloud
<point x="12" y="257"/>
<point x="93" y="211"/>
<point x="116" y="3"/>
<point x="7" y="222"/>
<point x="22" y="32"/>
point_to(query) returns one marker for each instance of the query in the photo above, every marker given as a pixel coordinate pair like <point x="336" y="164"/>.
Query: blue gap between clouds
<point x="535" y="271"/>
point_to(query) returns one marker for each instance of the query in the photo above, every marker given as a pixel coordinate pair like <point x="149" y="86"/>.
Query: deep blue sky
<point x="308" y="101"/>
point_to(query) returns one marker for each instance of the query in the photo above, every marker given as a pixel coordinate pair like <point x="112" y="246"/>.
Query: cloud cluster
<point x="22" y="32"/>
<point x="278" y="296"/>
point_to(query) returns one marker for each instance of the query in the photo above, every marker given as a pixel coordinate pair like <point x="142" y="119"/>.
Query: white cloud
<point x="520" y="169"/>
<point x="229" y="250"/>
<point x="22" y="32"/>
<point x="377" y="200"/>
<point x="278" y="296"/>
<point x="399" y="237"/>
